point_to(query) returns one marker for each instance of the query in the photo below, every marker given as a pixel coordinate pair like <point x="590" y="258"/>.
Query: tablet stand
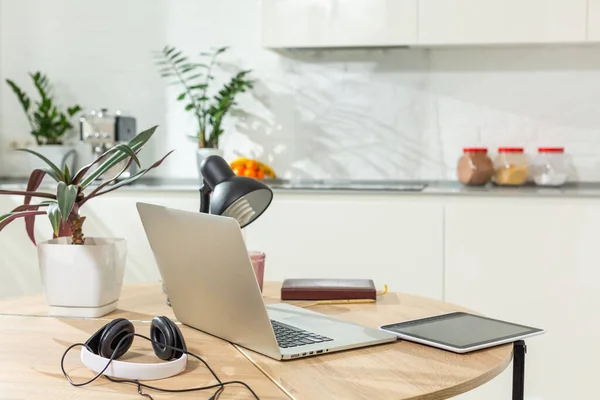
<point x="519" y="350"/>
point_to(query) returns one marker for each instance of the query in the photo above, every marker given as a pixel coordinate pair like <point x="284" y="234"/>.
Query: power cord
<point x="220" y="386"/>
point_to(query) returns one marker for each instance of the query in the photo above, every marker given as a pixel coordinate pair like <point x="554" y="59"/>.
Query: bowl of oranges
<point x="251" y="168"/>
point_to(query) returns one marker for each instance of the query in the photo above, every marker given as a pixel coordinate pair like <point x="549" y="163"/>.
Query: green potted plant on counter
<point x="48" y="124"/>
<point x="80" y="276"/>
<point x="195" y="80"/>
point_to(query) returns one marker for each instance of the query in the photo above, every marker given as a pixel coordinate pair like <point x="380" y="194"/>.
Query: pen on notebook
<point x="349" y="301"/>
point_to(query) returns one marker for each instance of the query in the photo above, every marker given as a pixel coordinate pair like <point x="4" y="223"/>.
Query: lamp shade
<point x="238" y="197"/>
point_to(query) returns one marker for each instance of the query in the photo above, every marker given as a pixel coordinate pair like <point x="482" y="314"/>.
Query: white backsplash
<point x="360" y="113"/>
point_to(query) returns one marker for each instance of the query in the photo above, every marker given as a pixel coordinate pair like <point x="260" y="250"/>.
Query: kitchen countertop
<point x="580" y="189"/>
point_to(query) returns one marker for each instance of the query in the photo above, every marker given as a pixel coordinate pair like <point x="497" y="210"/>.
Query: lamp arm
<point x="205" y="198"/>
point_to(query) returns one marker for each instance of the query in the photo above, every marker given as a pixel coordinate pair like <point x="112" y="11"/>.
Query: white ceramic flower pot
<point x="58" y="154"/>
<point x="82" y="281"/>
<point x="202" y="154"/>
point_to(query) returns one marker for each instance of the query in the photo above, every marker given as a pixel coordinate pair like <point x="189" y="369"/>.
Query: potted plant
<point x="49" y="125"/>
<point x="195" y="79"/>
<point x="80" y="276"/>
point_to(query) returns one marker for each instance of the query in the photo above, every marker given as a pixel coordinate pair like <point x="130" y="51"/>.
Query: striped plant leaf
<point x="134" y="144"/>
<point x="55" y="217"/>
<point x="66" y="196"/>
<point x="25" y="193"/>
<point x="8" y="218"/>
<point x="127" y="181"/>
<point x="54" y="171"/>
<point x="67" y="174"/>
<point x="126" y="149"/>
<point x="35" y="180"/>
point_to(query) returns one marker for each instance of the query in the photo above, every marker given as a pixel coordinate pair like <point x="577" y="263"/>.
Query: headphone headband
<point x="131" y="370"/>
<point x="101" y="351"/>
<point x="166" y="338"/>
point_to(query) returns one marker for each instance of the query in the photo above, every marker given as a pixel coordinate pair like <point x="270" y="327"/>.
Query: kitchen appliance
<point x="101" y="130"/>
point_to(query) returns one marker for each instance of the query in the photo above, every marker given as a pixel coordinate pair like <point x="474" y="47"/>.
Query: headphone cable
<point x="142" y="393"/>
<point x="220" y="385"/>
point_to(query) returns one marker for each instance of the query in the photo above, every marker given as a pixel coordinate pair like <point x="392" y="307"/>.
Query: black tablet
<point x="461" y="332"/>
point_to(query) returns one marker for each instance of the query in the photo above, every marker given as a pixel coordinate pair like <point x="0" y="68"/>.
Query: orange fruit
<point x="260" y="174"/>
<point x="239" y="171"/>
<point x="250" y="173"/>
<point x="251" y="165"/>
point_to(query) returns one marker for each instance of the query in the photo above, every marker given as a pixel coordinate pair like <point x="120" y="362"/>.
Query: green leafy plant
<point x="195" y="79"/>
<point x="48" y="124"/>
<point x="63" y="206"/>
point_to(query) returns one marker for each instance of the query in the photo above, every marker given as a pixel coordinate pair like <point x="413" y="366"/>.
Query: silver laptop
<point x="212" y="287"/>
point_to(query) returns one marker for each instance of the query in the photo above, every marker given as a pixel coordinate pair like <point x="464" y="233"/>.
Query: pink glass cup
<point x="258" y="263"/>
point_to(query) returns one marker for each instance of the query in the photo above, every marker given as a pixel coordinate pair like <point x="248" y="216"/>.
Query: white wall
<point x="377" y="113"/>
<point x="96" y="54"/>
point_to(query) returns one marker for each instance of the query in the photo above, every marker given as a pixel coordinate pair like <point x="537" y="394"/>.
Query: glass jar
<point x="550" y="166"/>
<point x="511" y="167"/>
<point x="474" y="167"/>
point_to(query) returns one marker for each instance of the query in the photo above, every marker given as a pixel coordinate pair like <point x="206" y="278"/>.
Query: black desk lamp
<point x="238" y="197"/>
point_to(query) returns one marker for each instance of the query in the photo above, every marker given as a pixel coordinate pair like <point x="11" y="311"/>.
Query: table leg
<point x="519" y="351"/>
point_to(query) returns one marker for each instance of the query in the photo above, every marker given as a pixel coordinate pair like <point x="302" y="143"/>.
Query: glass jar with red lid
<point x="550" y="166"/>
<point x="474" y="167"/>
<point x="511" y="167"/>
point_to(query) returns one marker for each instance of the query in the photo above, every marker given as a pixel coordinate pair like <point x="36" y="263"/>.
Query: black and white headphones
<point x="101" y="352"/>
<point x="165" y="335"/>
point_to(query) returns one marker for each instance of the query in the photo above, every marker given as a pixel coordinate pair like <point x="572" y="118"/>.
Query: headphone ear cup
<point x="162" y="334"/>
<point x="93" y="343"/>
<point x="179" y="339"/>
<point x="112" y="335"/>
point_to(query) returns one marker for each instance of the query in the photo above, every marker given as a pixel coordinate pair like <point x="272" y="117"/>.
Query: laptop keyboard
<point x="288" y="336"/>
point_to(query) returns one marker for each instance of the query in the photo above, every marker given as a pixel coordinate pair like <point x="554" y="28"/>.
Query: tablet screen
<point x="460" y="330"/>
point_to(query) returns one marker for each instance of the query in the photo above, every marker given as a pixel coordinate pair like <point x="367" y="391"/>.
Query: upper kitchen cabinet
<point x="455" y="22"/>
<point x="338" y="23"/>
<point x="594" y="21"/>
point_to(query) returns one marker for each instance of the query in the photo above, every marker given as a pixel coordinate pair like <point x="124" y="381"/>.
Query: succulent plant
<point x="63" y="207"/>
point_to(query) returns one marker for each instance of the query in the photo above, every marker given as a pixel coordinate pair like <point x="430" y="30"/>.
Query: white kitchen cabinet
<point x="338" y="23"/>
<point x="392" y="239"/>
<point x="116" y="215"/>
<point x="112" y="215"/>
<point x="593" y="22"/>
<point x="535" y="262"/>
<point x="447" y="22"/>
<point x="19" y="273"/>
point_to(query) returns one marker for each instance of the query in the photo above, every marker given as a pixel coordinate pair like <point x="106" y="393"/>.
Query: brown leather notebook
<point x="328" y="289"/>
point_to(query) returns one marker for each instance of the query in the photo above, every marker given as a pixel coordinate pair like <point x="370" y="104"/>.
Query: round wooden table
<point x="33" y="343"/>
